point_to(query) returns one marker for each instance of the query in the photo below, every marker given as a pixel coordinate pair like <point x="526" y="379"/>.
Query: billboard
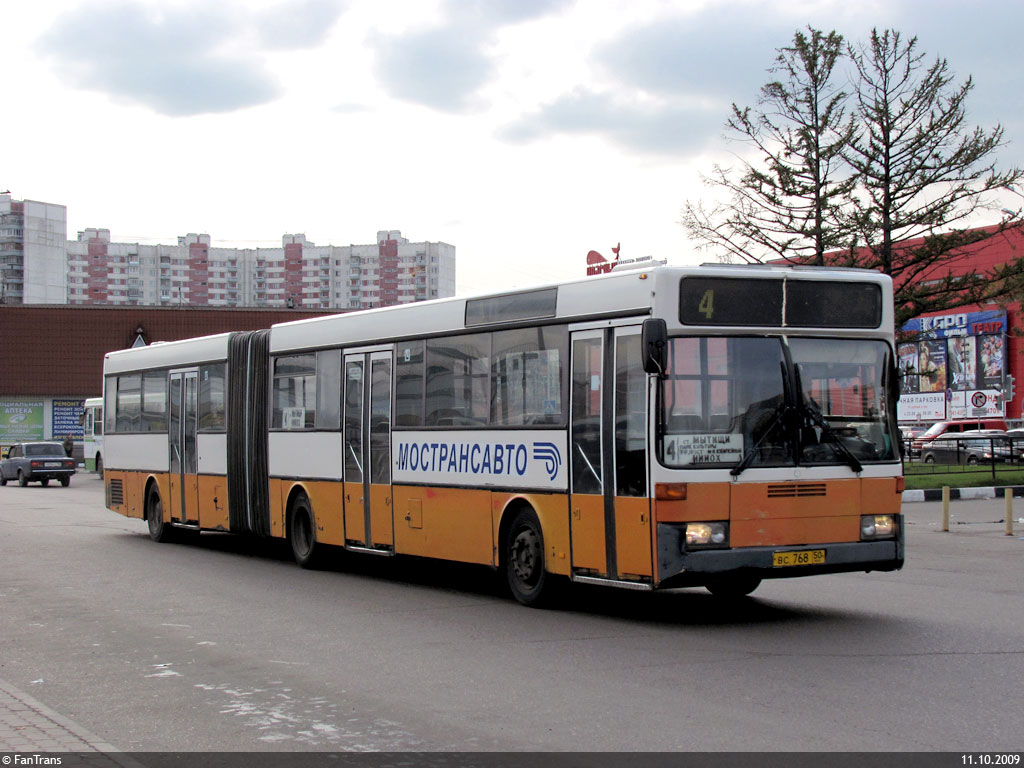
<point x="21" y="420"/>
<point x="67" y="416"/>
<point x="954" y="368"/>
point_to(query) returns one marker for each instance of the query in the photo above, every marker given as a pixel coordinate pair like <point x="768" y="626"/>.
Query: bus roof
<point x="626" y="293"/>
<point x="162" y="354"/>
<point x="617" y="294"/>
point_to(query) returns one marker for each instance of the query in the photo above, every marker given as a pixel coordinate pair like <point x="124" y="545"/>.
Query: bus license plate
<point x="801" y="557"/>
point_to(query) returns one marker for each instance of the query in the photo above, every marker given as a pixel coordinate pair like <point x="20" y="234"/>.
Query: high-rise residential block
<point x="38" y="265"/>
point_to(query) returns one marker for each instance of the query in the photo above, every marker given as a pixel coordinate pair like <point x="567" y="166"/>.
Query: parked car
<point x="958" y="426"/>
<point x="971" y="447"/>
<point x="36" y="462"/>
<point x="1010" y="448"/>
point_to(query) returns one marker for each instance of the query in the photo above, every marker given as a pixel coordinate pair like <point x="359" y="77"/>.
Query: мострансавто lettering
<point x="463" y="458"/>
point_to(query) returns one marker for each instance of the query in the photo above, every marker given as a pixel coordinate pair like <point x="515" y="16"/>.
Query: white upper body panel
<point x="630" y="293"/>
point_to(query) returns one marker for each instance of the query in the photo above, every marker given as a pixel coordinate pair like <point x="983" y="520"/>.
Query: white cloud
<point x="525" y="132"/>
<point x="182" y="60"/>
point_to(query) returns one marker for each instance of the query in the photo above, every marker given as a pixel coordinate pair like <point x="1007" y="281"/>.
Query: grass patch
<point x="925" y="476"/>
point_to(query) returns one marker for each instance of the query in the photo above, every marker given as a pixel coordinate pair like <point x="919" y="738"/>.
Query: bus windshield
<point x="775" y="401"/>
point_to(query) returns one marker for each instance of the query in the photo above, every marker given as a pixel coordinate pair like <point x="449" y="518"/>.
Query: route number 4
<point x="707" y="304"/>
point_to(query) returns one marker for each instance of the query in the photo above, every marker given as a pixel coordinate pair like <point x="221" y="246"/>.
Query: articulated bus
<point x="682" y="426"/>
<point x="92" y="435"/>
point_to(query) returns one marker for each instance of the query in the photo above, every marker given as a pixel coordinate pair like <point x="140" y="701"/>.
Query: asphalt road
<point x="226" y="645"/>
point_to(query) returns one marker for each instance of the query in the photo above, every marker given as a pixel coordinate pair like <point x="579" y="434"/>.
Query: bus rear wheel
<point x="733" y="586"/>
<point x="302" y="533"/>
<point x="525" y="573"/>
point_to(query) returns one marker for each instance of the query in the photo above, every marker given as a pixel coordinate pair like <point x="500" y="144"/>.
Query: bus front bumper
<point x="677" y="567"/>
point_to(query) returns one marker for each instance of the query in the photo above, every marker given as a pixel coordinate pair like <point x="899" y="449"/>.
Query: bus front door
<point x="181" y="437"/>
<point x="369" y="523"/>
<point x="610" y="516"/>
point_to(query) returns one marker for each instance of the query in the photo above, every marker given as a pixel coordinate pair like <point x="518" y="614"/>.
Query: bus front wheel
<point x="302" y="533"/>
<point x="525" y="573"/>
<point x="158" y="530"/>
<point x="733" y="586"/>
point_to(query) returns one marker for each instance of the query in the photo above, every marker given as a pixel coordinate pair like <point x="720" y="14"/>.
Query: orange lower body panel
<point x="785" y="513"/>
<point x="448" y="523"/>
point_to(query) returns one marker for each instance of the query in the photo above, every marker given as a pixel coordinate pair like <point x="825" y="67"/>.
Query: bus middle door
<point x="181" y="437"/>
<point x="369" y="524"/>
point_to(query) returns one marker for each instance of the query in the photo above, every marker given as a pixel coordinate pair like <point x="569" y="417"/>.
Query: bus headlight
<point x="706" y="535"/>
<point x="874" y="527"/>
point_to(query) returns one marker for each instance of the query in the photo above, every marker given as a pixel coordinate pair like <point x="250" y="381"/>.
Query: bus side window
<point x="630" y="418"/>
<point x="409" y="384"/>
<point x="587" y="468"/>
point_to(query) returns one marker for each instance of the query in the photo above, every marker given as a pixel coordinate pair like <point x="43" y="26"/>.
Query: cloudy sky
<point x="525" y="132"/>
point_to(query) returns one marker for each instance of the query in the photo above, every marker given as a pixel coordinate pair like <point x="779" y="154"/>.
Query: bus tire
<point x="159" y="531"/>
<point x="733" y="586"/>
<point x="302" y="532"/>
<point x="523" y="556"/>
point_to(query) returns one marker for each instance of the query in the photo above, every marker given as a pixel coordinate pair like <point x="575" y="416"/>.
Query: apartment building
<point x="38" y="265"/>
<point x="298" y="274"/>
<point x="33" y="268"/>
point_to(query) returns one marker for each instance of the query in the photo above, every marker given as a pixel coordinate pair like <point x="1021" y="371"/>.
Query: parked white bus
<point x="92" y="435"/>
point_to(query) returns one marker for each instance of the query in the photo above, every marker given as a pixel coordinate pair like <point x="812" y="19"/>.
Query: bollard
<point x="945" y="508"/>
<point x="1009" y="512"/>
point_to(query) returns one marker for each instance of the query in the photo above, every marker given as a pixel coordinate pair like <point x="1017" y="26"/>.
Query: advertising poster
<point x="931" y="365"/>
<point x="961" y="363"/>
<point x="921" y="408"/>
<point x="991" y="359"/>
<point x="21" y="421"/>
<point x="976" y="404"/>
<point x="67" y="418"/>
<point x="908" y="368"/>
<point x="984" y="323"/>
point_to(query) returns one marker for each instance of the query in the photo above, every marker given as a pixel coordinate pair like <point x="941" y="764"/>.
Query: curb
<point x="955" y="494"/>
<point x="42" y="723"/>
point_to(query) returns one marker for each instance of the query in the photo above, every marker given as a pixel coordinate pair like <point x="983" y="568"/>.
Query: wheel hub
<point x="525" y="555"/>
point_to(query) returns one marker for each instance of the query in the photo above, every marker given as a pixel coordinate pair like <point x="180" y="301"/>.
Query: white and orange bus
<point x="713" y="425"/>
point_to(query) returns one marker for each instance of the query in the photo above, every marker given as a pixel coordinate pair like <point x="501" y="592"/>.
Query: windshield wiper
<point x="781" y="411"/>
<point x="809" y="407"/>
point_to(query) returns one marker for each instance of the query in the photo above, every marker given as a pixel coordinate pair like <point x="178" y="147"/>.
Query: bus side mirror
<point x="654" y="341"/>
